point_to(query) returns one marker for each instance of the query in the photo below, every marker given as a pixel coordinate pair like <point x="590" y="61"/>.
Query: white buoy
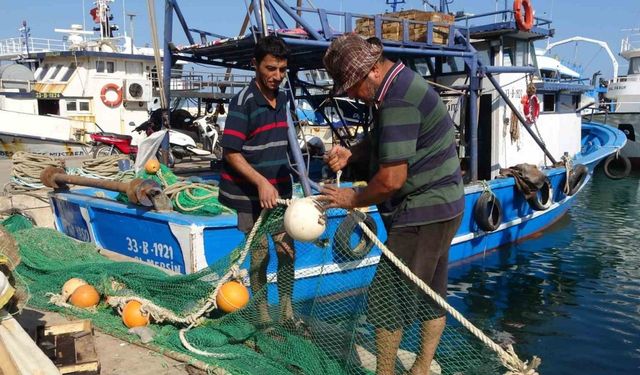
<point x="304" y="220"/>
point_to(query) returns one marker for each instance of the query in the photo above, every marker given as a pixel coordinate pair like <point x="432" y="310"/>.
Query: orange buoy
<point x="132" y="316"/>
<point x="152" y="166"/>
<point x="70" y="286"/>
<point x="232" y="296"/>
<point x="85" y="296"/>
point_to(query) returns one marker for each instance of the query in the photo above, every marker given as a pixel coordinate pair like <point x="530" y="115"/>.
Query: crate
<point x="70" y="346"/>
<point x="393" y="30"/>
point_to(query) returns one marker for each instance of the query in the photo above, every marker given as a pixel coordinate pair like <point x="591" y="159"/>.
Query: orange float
<point x="70" y="286"/>
<point x="85" y="296"/>
<point x="152" y="166"/>
<point x="232" y="296"/>
<point x="132" y="316"/>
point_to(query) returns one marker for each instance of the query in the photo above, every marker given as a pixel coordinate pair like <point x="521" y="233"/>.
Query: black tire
<point x="614" y="173"/>
<point x="102" y="150"/>
<point x="348" y="227"/>
<point x="543" y="198"/>
<point x="577" y="177"/>
<point x="487" y="212"/>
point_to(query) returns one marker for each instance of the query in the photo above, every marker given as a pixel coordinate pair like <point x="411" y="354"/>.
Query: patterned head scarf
<point x="349" y="59"/>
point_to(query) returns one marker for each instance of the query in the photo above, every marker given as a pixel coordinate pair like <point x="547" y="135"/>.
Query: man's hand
<point x="337" y="158"/>
<point x="337" y="197"/>
<point x="268" y="195"/>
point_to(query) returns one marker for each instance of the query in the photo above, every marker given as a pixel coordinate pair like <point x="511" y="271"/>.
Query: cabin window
<point x="77" y="106"/>
<point x="576" y="101"/>
<point x="69" y="72"/>
<point x="133" y="68"/>
<point x="105" y="66"/>
<point x="634" y="65"/>
<point x="55" y="72"/>
<point x="515" y="53"/>
<point x="548" y="103"/>
<point x="43" y="72"/>
<point x="453" y="65"/>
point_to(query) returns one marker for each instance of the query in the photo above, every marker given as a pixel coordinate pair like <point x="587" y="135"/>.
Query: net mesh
<point x="327" y="332"/>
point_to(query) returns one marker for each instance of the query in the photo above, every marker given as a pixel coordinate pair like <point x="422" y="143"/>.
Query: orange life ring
<point x="530" y="107"/>
<point x="103" y="95"/>
<point x="523" y="21"/>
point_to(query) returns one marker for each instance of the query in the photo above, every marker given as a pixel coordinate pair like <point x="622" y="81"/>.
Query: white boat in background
<point x="54" y="92"/>
<point x="623" y="95"/>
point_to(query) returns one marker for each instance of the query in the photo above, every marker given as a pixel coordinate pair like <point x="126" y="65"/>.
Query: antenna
<point x="394" y="4"/>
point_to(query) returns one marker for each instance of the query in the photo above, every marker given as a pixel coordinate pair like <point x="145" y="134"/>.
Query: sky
<point x="596" y="19"/>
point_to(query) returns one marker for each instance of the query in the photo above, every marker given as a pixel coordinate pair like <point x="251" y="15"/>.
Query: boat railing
<point x="20" y="46"/>
<point x="631" y="42"/>
<point x="207" y="82"/>
<point x="468" y="21"/>
<point x="326" y="24"/>
<point x="20" y="84"/>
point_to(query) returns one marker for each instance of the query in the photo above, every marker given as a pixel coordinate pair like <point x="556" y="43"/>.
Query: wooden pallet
<point x="70" y="346"/>
<point x="393" y="30"/>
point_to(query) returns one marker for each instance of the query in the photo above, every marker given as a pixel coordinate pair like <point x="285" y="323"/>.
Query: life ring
<point x="543" y="198"/>
<point x="349" y="232"/>
<point x="613" y="160"/>
<point x="530" y="108"/>
<point x="577" y="177"/>
<point x="523" y="21"/>
<point x="487" y="212"/>
<point x="111" y="87"/>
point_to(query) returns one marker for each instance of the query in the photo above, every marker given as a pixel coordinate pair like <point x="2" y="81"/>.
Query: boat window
<point x="69" y="72"/>
<point x="507" y="56"/>
<point x="548" y="103"/>
<point x="634" y="65"/>
<point x="453" y="65"/>
<point x="72" y="106"/>
<point x="84" y="106"/>
<point x="43" y="72"/>
<point x="55" y="72"/>
<point x="133" y="68"/>
<point x="522" y="48"/>
<point x="105" y="66"/>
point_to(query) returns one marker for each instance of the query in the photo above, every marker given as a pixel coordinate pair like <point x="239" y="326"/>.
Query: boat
<point x="194" y="243"/>
<point x="621" y="107"/>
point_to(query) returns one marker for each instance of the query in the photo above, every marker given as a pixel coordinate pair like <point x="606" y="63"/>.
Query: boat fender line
<point x="543" y="198"/>
<point x="523" y="21"/>
<point x="343" y="235"/>
<point x="111" y="87"/>
<point x="530" y="107"/>
<point x="617" y="160"/>
<point x="576" y="178"/>
<point x="487" y="212"/>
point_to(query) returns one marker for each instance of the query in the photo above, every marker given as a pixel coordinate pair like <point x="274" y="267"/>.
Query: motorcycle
<point x="181" y="143"/>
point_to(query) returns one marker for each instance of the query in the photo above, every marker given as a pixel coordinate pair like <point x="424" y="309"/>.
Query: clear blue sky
<point x="595" y="19"/>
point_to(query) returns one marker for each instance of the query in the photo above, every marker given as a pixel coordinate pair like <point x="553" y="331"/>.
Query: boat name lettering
<point x="48" y="95"/>
<point x="8" y="154"/>
<point x="514" y="93"/>
<point x="77" y="232"/>
<point x="617" y="87"/>
<point x="169" y="265"/>
<point x="156" y="249"/>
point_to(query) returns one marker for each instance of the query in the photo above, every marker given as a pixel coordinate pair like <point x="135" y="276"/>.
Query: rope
<point x="508" y="357"/>
<point x="27" y="167"/>
<point x="106" y="167"/>
<point x="180" y="189"/>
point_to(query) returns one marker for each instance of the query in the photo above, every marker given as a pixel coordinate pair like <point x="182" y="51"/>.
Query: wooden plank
<point x="71" y="327"/>
<point x="85" y="368"/>
<point x="7" y="364"/>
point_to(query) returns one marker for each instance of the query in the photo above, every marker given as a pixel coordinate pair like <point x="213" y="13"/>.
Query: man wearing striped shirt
<point x="255" y="170"/>
<point x="416" y="183"/>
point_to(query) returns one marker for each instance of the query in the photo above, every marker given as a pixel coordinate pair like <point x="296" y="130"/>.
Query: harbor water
<point x="571" y="295"/>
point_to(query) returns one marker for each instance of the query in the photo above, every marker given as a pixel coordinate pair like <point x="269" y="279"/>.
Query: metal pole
<point x="474" y="86"/>
<point x="297" y="156"/>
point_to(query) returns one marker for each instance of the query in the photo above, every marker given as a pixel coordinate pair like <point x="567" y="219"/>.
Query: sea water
<point x="570" y="295"/>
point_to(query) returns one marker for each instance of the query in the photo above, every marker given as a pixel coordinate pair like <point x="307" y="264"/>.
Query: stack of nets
<point x="335" y="335"/>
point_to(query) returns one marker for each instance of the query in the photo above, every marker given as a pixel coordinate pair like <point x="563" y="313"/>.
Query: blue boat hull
<point x="186" y="244"/>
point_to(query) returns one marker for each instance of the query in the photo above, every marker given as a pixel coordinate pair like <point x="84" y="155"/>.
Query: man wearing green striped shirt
<point x="415" y="182"/>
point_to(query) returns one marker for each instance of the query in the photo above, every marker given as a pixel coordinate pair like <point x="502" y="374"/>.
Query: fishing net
<point x="328" y="330"/>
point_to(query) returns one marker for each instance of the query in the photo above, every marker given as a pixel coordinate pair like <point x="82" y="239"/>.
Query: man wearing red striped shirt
<point x="256" y="169"/>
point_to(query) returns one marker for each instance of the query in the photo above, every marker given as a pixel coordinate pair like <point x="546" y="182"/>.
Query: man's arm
<point x="338" y="157"/>
<point x="267" y="192"/>
<point x="389" y="179"/>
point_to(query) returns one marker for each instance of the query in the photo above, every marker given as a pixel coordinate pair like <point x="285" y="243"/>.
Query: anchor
<point x="143" y="192"/>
